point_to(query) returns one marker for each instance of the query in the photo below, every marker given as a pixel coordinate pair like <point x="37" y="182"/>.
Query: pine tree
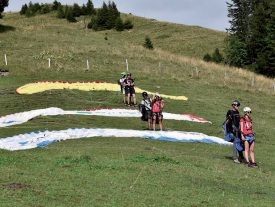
<point x="102" y="17"/>
<point x="148" y="43"/>
<point x="76" y="11"/>
<point x="60" y="12"/>
<point x="119" y="26"/>
<point x="24" y="9"/>
<point x="240" y="13"/>
<point x="55" y="5"/>
<point x="89" y="9"/>
<point x="266" y="56"/>
<point x="216" y="56"/>
<point x="70" y="17"/>
<point x="3" y="4"/>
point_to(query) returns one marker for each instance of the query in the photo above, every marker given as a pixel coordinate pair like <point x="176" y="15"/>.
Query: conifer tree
<point x="148" y="43"/>
<point x="70" y="17"/>
<point x="56" y="4"/>
<point x="89" y="9"/>
<point x="60" y="12"/>
<point x="3" y="4"/>
<point x="76" y="10"/>
<point x="119" y="26"/>
<point x="24" y="9"/>
<point x="102" y="17"/>
<point x="266" y="56"/>
<point x="216" y="56"/>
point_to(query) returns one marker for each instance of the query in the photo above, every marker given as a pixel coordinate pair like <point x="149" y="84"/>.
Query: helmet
<point x="157" y="94"/>
<point x="144" y="94"/>
<point x="247" y="109"/>
<point x="237" y="103"/>
<point x="123" y="74"/>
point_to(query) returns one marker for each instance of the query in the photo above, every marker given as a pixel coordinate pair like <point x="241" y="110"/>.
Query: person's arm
<point x="162" y="104"/>
<point x="241" y="123"/>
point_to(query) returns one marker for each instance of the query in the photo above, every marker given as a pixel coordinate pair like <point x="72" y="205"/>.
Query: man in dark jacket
<point x="233" y="126"/>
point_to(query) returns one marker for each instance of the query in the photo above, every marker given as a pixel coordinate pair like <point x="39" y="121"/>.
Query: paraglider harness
<point x="230" y="130"/>
<point x="146" y="109"/>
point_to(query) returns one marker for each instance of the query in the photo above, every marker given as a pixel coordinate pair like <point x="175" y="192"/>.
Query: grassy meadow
<point x="129" y="171"/>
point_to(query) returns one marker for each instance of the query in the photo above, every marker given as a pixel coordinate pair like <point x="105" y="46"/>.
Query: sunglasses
<point x="249" y="112"/>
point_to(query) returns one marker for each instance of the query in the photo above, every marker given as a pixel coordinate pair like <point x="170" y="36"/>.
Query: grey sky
<point x="206" y="13"/>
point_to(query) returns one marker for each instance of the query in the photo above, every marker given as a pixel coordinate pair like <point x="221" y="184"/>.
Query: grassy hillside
<point x="130" y="172"/>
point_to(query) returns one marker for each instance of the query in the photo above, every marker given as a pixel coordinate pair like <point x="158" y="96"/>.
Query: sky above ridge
<point x="206" y="13"/>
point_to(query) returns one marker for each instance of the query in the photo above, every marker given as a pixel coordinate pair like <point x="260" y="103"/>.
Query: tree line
<point x="105" y="18"/>
<point x="251" y="40"/>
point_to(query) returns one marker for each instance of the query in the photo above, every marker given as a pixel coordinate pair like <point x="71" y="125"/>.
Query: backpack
<point x="228" y="135"/>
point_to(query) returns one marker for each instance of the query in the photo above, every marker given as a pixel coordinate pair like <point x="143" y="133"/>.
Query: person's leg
<point x="252" y="156"/>
<point x="246" y="145"/>
<point x="149" y="120"/>
<point x="129" y="99"/>
<point x="154" y="122"/>
<point x="135" y="100"/>
<point x="234" y="155"/>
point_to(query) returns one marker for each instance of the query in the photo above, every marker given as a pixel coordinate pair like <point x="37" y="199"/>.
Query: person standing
<point x="248" y="137"/>
<point x="157" y="107"/>
<point x="146" y="109"/>
<point x="122" y="86"/>
<point x="233" y="125"/>
<point x="129" y="84"/>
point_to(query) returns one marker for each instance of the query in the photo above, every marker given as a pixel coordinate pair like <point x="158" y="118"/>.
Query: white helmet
<point x="247" y="109"/>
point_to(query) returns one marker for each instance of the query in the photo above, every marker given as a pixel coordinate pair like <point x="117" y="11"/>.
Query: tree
<point x="60" y="12"/>
<point x="119" y="26"/>
<point x="102" y="17"/>
<point x="69" y="16"/>
<point x="24" y="9"/>
<point x="265" y="63"/>
<point x="76" y="10"/>
<point x="3" y="4"/>
<point x="55" y="5"/>
<point x="89" y="9"/>
<point x="216" y="56"/>
<point x="148" y="43"/>
<point x="240" y="13"/>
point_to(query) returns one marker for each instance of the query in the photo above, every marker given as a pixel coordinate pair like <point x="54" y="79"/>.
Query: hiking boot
<point x="254" y="164"/>
<point x="236" y="161"/>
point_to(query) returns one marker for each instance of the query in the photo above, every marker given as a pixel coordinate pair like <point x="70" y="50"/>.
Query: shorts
<point x="158" y="115"/>
<point x="250" y="138"/>
<point x="130" y="90"/>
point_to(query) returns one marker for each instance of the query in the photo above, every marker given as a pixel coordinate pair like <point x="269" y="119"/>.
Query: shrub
<point x="148" y="43"/>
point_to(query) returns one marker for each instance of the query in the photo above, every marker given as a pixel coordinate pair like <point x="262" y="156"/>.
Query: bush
<point x="207" y="58"/>
<point x="128" y="24"/>
<point x="217" y="57"/>
<point x="148" y="43"/>
<point x="119" y="26"/>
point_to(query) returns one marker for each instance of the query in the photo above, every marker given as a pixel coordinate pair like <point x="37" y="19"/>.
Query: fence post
<point x="127" y="65"/>
<point x="224" y="81"/>
<point x="88" y="65"/>
<point x="49" y="60"/>
<point x="6" y="60"/>
<point x="253" y="81"/>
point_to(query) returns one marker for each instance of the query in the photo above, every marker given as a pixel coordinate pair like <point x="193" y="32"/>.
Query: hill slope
<point x="130" y="172"/>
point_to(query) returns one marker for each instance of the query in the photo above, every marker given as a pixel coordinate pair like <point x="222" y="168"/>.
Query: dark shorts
<point x="130" y="90"/>
<point x="157" y="115"/>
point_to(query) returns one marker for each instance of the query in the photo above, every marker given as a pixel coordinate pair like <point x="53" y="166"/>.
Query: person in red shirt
<point x="248" y="136"/>
<point x="157" y="106"/>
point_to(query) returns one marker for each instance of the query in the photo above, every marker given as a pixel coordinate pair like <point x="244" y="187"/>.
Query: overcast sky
<point x="206" y="13"/>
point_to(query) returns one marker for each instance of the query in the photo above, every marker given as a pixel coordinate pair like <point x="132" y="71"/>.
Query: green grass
<point x="129" y="171"/>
